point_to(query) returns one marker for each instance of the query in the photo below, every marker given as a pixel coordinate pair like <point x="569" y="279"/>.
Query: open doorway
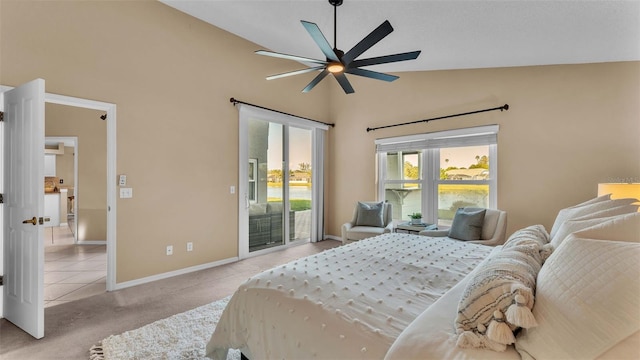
<point x="107" y="118"/>
<point x="76" y="192"/>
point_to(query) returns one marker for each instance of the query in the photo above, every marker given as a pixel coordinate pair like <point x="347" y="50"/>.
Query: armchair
<point x="360" y="227"/>
<point x="494" y="228"/>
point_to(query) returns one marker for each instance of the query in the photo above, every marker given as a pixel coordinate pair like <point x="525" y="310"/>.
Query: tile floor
<point x="71" y="272"/>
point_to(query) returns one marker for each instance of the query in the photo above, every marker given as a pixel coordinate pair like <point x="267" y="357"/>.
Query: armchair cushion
<point x="467" y="224"/>
<point x="370" y="214"/>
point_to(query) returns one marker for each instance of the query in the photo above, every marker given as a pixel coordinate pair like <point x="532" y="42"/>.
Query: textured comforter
<point x="348" y="302"/>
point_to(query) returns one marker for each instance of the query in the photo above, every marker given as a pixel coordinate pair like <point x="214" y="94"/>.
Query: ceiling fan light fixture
<point x="335" y="67"/>
<point x="337" y="61"/>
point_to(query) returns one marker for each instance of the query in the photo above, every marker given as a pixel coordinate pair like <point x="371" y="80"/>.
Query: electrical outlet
<point x="170" y="250"/>
<point x="189" y="246"/>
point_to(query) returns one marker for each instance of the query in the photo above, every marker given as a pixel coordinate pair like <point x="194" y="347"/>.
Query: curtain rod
<point x="501" y="108"/>
<point x="234" y="101"/>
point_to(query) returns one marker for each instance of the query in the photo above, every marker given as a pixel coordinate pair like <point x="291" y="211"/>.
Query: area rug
<point x="181" y="336"/>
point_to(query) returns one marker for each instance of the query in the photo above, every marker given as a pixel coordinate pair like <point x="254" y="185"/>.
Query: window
<point x="436" y="173"/>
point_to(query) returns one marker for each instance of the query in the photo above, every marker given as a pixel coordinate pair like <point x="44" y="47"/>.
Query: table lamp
<point x="620" y="190"/>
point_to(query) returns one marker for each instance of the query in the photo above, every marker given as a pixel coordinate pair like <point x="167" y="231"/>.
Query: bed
<point x="352" y="301"/>
<point x="402" y="296"/>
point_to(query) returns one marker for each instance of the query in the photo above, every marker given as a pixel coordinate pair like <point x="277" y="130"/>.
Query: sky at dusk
<point x="299" y="147"/>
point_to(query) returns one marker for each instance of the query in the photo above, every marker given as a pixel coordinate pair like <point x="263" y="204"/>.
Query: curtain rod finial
<point x="506" y="107"/>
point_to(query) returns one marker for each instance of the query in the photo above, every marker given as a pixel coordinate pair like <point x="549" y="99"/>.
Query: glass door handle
<point x="246" y="201"/>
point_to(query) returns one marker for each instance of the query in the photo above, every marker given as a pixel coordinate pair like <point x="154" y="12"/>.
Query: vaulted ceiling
<point x="451" y="34"/>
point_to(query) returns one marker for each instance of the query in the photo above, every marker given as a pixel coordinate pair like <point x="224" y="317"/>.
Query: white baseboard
<point x="333" y="237"/>
<point x="92" y="242"/>
<point x="169" y="274"/>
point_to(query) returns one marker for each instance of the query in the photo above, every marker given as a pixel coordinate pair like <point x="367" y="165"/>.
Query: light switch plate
<point x="122" y="180"/>
<point x="126" y="193"/>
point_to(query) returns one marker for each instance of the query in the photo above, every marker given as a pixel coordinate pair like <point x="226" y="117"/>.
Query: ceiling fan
<point x="338" y="63"/>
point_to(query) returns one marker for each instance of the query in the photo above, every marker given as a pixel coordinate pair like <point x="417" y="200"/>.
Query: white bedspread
<point x="349" y="302"/>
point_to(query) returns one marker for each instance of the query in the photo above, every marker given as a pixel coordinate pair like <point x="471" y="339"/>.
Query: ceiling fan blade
<point x="346" y="85"/>
<point x="297" y="72"/>
<point x="385" y="59"/>
<point x="320" y="40"/>
<point x="315" y="81"/>
<point x="290" y="57"/>
<point x="372" y="74"/>
<point x="376" y="35"/>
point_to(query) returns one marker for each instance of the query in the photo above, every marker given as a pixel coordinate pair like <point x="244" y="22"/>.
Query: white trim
<point x="243" y="191"/>
<point x="245" y="114"/>
<point x="111" y="172"/>
<point x="477" y="130"/>
<point x="429" y="144"/>
<point x="171" y="274"/>
<point x="480" y="135"/>
<point x="92" y="242"/>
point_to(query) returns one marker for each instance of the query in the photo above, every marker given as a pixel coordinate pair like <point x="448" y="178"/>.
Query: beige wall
<point x="171" y="77"/>
<point x="568" y="128"/>
<point x="91" y="131"/>
<point x="64" y="166"/>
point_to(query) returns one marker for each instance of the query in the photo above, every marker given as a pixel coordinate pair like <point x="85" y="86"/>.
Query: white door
<point x="23" y="207"/>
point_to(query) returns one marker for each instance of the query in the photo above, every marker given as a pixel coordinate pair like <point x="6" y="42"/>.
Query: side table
<point x="408" y="228"/>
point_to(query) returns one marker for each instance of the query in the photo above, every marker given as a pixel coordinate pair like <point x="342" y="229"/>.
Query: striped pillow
<point x="501" y="292"/>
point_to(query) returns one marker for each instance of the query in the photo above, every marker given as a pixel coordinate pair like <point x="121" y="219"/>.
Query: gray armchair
<point x="494" y="228"/>
<point x="351" y="231"/>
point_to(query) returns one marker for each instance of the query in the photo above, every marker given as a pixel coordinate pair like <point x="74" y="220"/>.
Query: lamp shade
<point x="620" y="190"/>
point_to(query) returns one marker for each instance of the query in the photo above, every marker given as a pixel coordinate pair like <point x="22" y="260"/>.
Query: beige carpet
<point x="181" y="336"/>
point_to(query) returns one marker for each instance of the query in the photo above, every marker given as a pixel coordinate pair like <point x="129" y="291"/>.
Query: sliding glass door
<point x="276" y="189"/>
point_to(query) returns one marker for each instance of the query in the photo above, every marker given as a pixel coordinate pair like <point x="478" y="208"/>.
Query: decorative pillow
<point x="467" y="224"/>
<point x="534" y="234"/>
<point x="586" y="300"/>
<point x="370" y="214"/>
<point x="582" y="210"/>
<point x="499" y="297"/>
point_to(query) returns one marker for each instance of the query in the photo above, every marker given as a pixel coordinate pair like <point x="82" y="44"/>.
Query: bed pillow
<point x="499" y="297"/>
<point x="619" y="228"/>
<point x="582" y="210"/>
<point x="370" y="214"/>
<point x="595" y="200"/>
<point x="467" y="224"/>
<point x="586" y="298"/>
<point x="571" y="226"/>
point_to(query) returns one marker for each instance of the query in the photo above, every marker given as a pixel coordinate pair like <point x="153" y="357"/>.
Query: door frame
<point x="110" y="110"/>
<point x="246" y="112"/>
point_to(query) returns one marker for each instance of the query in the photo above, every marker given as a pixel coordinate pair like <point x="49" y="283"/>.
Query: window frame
<point x="430" y="144"/>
